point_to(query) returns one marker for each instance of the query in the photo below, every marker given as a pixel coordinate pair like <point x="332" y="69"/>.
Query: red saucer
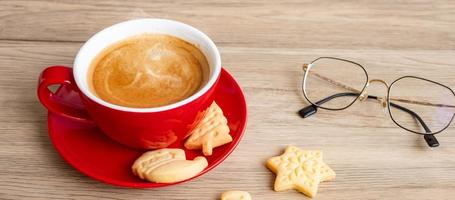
<point x="88" y="150"/>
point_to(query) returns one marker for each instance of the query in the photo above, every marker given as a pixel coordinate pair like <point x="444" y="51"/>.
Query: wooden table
<point x="263" y="45"/>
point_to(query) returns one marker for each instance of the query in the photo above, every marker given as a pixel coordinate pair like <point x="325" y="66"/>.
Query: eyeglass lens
<point x="432" y="102"/>
<point x="328" y="77"/>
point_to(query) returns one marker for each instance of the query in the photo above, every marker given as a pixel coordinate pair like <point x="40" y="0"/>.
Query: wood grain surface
<point x="263" y="44"/>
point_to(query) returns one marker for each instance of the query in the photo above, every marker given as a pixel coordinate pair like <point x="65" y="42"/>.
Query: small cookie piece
<point x="212" y="131"/>
<point x="235" y="195"/>
<point x="298" y="169"/>
<point x="167" y="166"/>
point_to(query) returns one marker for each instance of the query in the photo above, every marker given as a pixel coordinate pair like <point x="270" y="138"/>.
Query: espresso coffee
<point x="148" y="70"/>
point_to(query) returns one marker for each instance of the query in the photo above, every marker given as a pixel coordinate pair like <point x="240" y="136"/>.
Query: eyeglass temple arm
<point x="429" y="138"/>
<point x="312" y="109"/>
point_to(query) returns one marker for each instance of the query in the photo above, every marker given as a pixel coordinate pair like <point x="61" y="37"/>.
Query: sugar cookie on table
<point x="167" y="166"/>
<point x="212" y="131"/>
<point x="327" y="174"/>
<point x="235" y="195"/>
<point x="298" y="169"/>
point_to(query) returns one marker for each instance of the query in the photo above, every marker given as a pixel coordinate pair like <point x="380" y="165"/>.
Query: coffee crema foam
<point x="148" y="70"/>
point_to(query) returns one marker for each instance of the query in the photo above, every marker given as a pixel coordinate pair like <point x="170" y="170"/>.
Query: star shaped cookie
<point x="300" y="169"/>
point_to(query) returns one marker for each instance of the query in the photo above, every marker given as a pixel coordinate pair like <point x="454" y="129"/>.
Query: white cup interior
<point x="123" y="30"/>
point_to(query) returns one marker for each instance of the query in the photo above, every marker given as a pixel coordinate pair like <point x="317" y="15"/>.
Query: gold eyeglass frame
<point x="362" y="95"/>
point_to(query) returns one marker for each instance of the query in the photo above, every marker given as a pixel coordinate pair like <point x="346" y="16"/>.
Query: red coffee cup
<point x="146" y="128"/>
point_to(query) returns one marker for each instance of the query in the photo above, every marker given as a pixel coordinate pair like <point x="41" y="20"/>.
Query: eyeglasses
<point x="415" y="104"/>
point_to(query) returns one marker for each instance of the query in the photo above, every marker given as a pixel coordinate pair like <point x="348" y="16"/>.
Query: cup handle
<point x="59" y="75"/>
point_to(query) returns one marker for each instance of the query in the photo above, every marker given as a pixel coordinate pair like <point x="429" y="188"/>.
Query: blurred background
<point x="263" y="44"/>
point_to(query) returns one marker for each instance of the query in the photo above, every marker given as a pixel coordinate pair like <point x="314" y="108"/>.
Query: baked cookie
<point x="299" y="169"/>
<point x="327" y="174"/>
<point x="235" y="195"/>
<point x="167" y="166"/>
<point x="212" y="131"/>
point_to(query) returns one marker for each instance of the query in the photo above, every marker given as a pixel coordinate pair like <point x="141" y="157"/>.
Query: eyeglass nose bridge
<point x="364" y="95"/>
